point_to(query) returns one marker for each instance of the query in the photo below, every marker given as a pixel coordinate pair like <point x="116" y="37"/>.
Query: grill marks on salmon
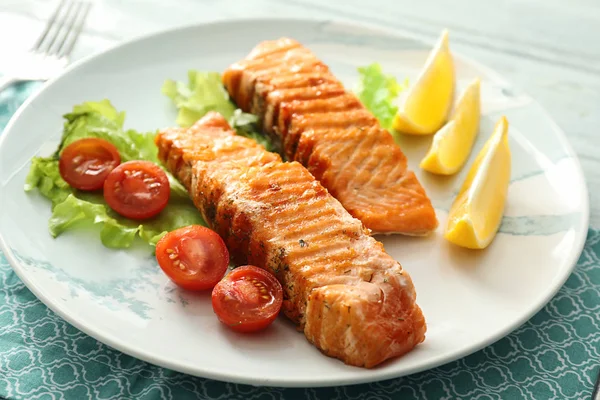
<point x="301" y="104"/>
<point x="349" y="297"/>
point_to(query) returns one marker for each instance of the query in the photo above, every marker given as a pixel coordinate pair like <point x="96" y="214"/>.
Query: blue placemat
<point x="555" y="355"/>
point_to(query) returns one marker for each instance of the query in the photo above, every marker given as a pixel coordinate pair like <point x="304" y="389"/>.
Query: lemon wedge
<point x="452" y="144"/>
<point x="429" y="100"/>
<point x="477" y="211"/>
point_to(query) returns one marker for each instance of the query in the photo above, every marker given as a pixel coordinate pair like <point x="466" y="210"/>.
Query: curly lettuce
<point x="378" y="91"/>
<point x="73" y="209"/>
<point x="205" y="92"/>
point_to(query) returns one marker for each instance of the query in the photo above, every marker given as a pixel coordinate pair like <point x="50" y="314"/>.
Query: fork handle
<point x="7" y="81"/>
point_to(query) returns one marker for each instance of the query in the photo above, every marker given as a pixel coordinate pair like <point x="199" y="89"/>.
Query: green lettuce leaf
<point x="377" y="91"/>
<point x="205" y="92"/>
<point x="115" y="230"/>
<point x="72" y="209"/>
<point x="44" y="175"/>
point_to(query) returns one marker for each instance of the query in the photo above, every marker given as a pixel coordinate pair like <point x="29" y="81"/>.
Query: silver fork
<point x="50" y="53"/>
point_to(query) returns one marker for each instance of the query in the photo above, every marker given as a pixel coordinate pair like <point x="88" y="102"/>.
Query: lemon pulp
<point x="452" y="144"/>
<point x="429" y="101"/>
<point x="477" y="211"/>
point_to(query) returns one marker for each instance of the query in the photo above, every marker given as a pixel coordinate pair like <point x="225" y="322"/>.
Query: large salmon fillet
<point x="352" y="300"/>
<point x="326" y="128"/>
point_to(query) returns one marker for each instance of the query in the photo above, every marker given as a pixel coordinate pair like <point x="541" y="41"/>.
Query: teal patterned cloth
<point x="555" y="355"/>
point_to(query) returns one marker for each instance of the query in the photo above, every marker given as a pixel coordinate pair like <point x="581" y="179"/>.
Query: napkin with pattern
<point x="555" y="355"/>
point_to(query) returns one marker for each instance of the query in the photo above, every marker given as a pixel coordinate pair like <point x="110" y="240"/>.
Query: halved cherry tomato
<point x="248" y="299"/>
<point x="194" y="257"/>
<point x="137" y="189"/>
<point x="85" y="163"/>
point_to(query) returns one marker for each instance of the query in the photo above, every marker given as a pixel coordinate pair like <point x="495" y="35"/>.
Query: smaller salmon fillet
<point x="369" y="163"/>
<point x="269" y="67"/>
<point x="344" y="102"/>
<point x="349" y="297"/>
<point x="335" y="121"/>
<point x="300" y="103"/>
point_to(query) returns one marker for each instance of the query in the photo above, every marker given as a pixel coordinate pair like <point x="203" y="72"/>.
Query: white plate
<point x="470" y="299"/>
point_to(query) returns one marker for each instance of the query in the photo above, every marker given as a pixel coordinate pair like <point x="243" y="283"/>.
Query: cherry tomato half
<point x="194" y="257"/>
<point x="248" y="299"/>
<point x="137" y="189"/>
<point x="85" y="163"/>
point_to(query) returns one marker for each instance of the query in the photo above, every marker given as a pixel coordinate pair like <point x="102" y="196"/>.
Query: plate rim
<point x="147" y="356"/>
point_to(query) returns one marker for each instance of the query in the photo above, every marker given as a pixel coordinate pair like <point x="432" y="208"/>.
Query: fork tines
<point x="63" y="28"/>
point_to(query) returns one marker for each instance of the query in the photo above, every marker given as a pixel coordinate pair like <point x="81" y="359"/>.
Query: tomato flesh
<point x="85" y="163"/>
<point x="194" y="257"/>
<point x="248" y="299"/>
<point x="137" y="189"/>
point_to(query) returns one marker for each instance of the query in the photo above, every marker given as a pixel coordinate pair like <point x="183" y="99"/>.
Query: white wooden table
<point x="550" y="48"/>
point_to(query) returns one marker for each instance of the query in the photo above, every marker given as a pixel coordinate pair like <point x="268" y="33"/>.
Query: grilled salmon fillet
<point x="321" y="125"/>
<point x="349" y="297"/>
